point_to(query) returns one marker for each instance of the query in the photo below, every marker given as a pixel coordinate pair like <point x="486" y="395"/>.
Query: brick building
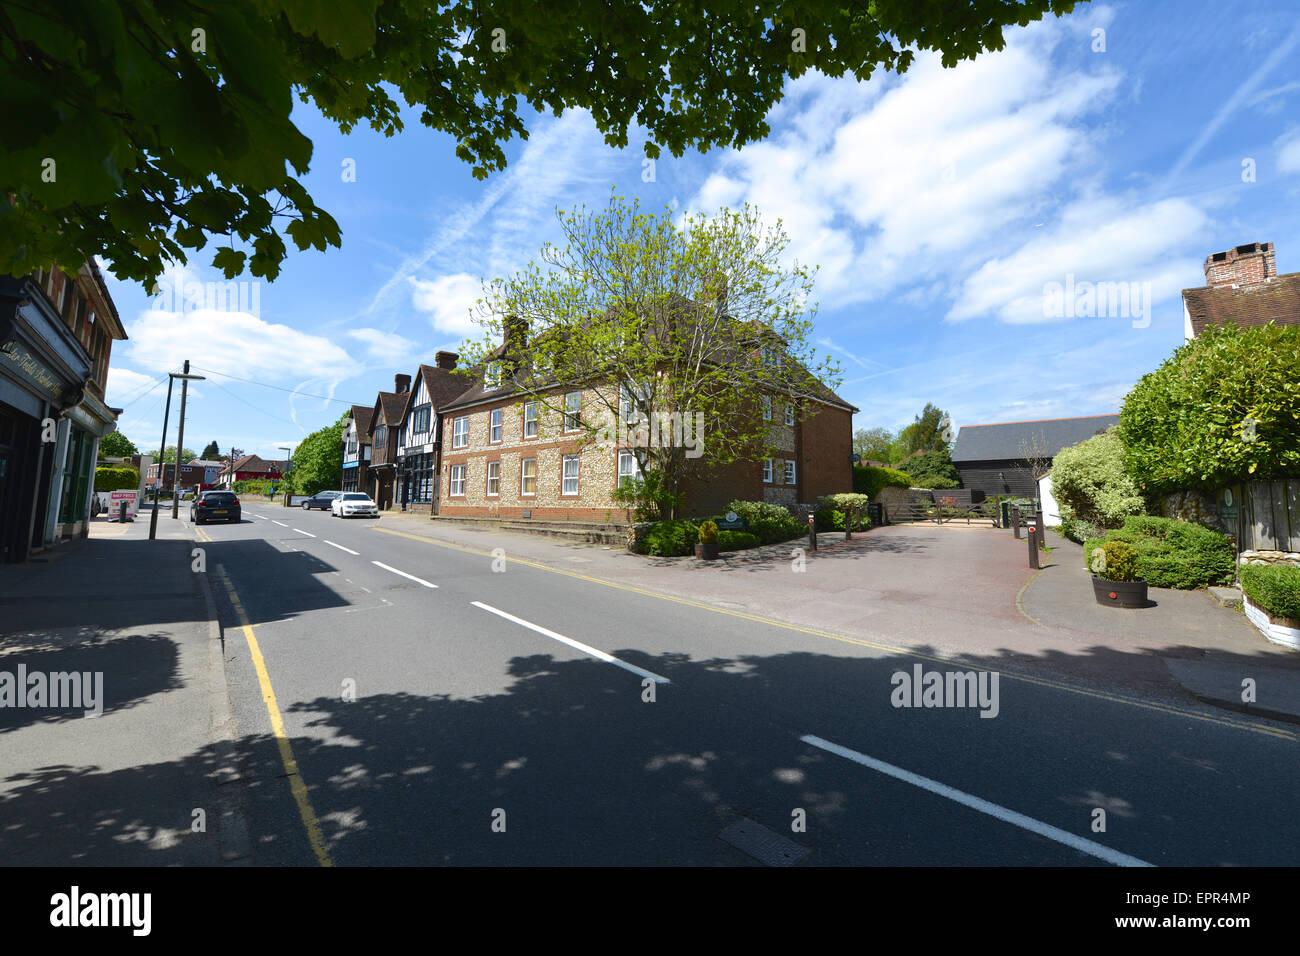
<point x="1242" y="287"/>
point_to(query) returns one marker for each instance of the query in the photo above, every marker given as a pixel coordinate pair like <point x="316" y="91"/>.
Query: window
<point x="767" y="470"/>
<point x="530" y="419"/>
<point x="381" y="436"/>
<point x="494" y="426"/>
<point x="352" y="447"/>
<point x="629" y="398"/>
<point x="458" y="481"/>
<point x="528" y="476"/>
<point x="492" y="375"/>
<point x="493" y="479"/>
<point x="460" y="432"/>
<point x="627" y="467"/>
<point x="572" y="406"/>
<point x="770" y="357"/>
<point x="789" y="414"/>
<point x="420" y="419"/>
<point x="789" y="472"/>
<point x="767" y="408"/>
<point x="569" y="484"/>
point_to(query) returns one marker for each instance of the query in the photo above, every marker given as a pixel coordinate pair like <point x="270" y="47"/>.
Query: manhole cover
<point x="763" y="844"/>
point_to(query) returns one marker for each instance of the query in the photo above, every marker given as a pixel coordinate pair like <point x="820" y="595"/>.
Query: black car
<point x="321" y="500"/>
<point x="215" y="506"/>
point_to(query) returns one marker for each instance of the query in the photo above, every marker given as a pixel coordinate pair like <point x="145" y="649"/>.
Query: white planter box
<point x="1277" y="633"/>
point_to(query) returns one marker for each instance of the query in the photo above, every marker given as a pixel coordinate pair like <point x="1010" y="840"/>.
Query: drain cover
<point x="763" y="844"/>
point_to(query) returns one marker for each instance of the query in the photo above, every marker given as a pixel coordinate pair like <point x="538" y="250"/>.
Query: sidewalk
<point x="956" y="592"/>
<point x="121" y="788"/>
<point x="1209" y="649"/>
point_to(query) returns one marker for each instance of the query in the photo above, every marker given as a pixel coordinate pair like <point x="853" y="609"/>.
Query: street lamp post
<point x="162" y="449"/>
<point x="285" y="477"/>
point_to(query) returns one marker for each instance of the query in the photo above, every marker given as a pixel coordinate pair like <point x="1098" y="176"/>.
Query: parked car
<point x="321" y="500"/>
<point x="351" y="503"/>
<point x="215" y="506"/>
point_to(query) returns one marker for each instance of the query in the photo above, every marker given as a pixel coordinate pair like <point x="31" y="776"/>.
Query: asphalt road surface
<point x="405" y="702"/>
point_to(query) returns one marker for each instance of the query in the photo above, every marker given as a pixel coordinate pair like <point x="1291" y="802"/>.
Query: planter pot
<point x="1120" y="593"/>
<point x="708" y="550"/>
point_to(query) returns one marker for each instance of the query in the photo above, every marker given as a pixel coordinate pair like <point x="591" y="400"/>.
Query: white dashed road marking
<point x="340" y="547"/>
<point x="404" y="574"/>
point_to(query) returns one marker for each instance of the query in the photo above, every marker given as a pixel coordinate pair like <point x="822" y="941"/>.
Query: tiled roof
<point x="390" y="406"/>
<point x="1277" y="300"/>
<point x="1011" y="439"/>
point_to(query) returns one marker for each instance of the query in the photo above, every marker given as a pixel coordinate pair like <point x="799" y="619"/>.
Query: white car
<point x="352" y="503"/>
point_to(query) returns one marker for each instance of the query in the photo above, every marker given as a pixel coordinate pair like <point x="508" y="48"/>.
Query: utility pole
<point x="180" y="441"/>
<point x="162" y="462"/>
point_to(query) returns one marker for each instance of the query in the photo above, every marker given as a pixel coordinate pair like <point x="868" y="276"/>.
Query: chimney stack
<point x="445" y="360"/>
<point x="515" y="335"/>
<point x="1253" y="263"/>
<point x="401" y="383"/>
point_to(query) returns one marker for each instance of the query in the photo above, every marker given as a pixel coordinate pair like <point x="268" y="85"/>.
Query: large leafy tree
<point x="929" y="431"/>
<point x="139" y="129"/>
<point x="1090" y="484"/>
<point x="318" y="460"/>
<point x="117" y="445"/>
<point x="656" y="318"/>
<point x="210" y="451"/>
<point x="1225" y="407"/>
<point x="873" y="444"/>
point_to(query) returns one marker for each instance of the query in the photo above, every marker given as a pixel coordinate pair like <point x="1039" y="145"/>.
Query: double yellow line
<point x="296" y="784"/>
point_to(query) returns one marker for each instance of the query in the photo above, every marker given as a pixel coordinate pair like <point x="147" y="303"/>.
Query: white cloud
<point x="125" y="385"/>
<point x="448" y="301"/>
<point x="387" y="347"/>
<point x="1097" y="239"/>
<point x="1288" y="152"/>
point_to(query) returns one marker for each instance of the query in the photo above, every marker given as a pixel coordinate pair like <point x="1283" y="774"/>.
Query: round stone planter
<point x="708" y="550"/>
<point x="1120" y="593"/>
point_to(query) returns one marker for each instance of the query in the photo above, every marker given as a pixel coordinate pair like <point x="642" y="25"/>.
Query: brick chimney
<point x="445" y="360"/>
<point x="401" y="383"/>
<point x="515" y="334"/>
<point x="1250" y="264"/>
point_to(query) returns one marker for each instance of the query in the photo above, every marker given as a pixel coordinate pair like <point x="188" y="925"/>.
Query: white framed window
<point x="767" y="470"/>
<point x="420" y="419"/>
<point x="528" y="477"/>
<point x="569" y="475"/>
<point x="627" y="467"/>
<point x="460" y="432"/>
<point x="789" y="472"/>
<point x="789" y="414"/>
<point x="530" y="419"/>
<point x="628" y="399"/>
<point x="458" y="481"/>
<point x="767" y="408"/>
<point x="493" y="479"/>
<point x="494" y="426"/>
<point x="572" y="409"/>
<point x="492" y="375"/>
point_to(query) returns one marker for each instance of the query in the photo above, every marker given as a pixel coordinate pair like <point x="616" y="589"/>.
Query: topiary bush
<point x="868" y="479"/>
<point x="1274" y="587"/>
<point x="1173" y="553"/>
<point x="768" y="522"/>
<point x="116" y="479"/>
<point x="832" y="513"/>
<point x="1114" y="561"/>
<point x="1091" y="486"/>
<point x="736" y="540"/>
<point x="708" y="531"/>
<point x="671" y="538"/>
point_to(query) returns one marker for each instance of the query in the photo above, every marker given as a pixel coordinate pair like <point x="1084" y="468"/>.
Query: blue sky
<point x="939" y="207"/>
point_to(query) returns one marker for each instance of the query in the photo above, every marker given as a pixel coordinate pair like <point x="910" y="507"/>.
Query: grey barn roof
<point x="1008" y="440"/>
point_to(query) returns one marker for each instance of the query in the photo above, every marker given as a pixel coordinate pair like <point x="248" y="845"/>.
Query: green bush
<point x="647" y="497"/>
<point x="1076" y="529"/>
<point x="736" y="540"/>
<point x="1173" y="553"/>
<point x="708" y="531"/>
<point x="768" y="522"/>
<point x="1090" y="484"/>
<point x="1274" y="587"/>
<point x="1114" y="561"/>
<point x="935" y="481"/>
<point x="116" y="479"/>
<point x="868" y="479"/>
<point x="671" y="538"/>
<point x="253" y="486"/>
<point x="1220" y="410"/>
<point x="931" y="469"/>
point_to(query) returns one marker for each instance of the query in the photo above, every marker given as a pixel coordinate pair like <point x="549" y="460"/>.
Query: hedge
<point x="1274" y="587"/>
<point x="768" y="522"/>
<point x="116" y="479"/>
<point x="1173" y="553"/>
<point x="671" y="538"/>
<point x="869" y="480"/>
<point x="736" y="540"/>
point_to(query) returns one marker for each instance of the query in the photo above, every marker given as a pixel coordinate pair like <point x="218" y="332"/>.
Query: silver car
<point x="353" y="503"/>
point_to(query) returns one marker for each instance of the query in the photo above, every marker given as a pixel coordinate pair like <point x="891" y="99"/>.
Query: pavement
<point x="142" y="782"/>
<point x="975" y="582"/>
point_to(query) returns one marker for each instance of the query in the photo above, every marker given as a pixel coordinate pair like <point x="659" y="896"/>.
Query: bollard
<point x="1015" y="520"/>
<point x="121" y="512"/>
<point x="1033" y="546"/>
<point x="848" y="525"/>
<point x="812" y="532"/>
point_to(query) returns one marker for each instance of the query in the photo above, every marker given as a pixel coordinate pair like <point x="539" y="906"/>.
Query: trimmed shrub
<point x="671" y="538"/>
<point x="708" y="531"/>
<point x="736" y="540"/>
<point x="868" y="479"/>
<point x="931" y="469"/>
<point x="253" y="486"/>
<point x="768" y="522"/>
<point x="1274" y="587"/>
<point x="1090" y="484"/>
<point x="1114" y="561"/>
<point x="1076" y="529"/>
<point x="1173" y="553"/>
<point x="116" y="479"/>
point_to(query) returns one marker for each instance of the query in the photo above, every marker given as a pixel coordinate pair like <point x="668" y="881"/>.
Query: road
<point x="405" y="702"/>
